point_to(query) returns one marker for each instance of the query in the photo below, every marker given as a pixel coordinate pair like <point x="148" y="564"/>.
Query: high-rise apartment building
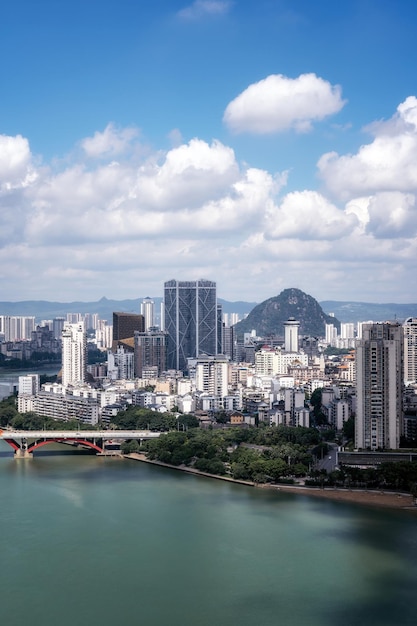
<point x="347" y="331"/>
<point x="291" y="327"/>
<point x="191" y="320"/>
<point x="57" y="326"/>
<point x="16" y="327"/>
<point x="331" y="333"/>
<point x="125" y="325"/>
<point x="410" y="350"/>
<point x="74" y="354"/>
<point x="147" y="310"/>
<point x="229" y="342"/>
<point x="379" y="384"/>
<point x="212" y="375"/>
<point x="150" y="351"/>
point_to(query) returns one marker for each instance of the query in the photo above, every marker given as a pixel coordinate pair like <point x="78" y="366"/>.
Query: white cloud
<point x="16" y="169"/>
<point x="195" y="211"/>
<point x="111" y="142"/>
<point x="388" y="163"/>
<point x="195" y="190"/>
<point x="308" y="215"/>
<point x="203" y="8"/>
<point x="391" y="215"/>
<point x="279" y="103"/>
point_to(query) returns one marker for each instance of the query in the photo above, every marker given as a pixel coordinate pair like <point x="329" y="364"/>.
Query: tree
<point x="349" y="429"/>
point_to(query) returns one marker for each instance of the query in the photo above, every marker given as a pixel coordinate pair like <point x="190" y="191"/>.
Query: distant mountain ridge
<point x="364" y="311"/>
<point x="44" y="309"/>
<point x="268" y="317"/>
<point x="344" y="311"/>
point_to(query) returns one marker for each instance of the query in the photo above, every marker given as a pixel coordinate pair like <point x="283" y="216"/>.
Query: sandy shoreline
<point x="369" y="498"/>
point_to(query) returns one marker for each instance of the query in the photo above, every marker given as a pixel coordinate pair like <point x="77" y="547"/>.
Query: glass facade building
<point x="191" y="321"/>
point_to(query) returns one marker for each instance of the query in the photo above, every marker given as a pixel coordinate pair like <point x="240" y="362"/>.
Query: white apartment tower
<point x="147" y="310"/>
<point x="291" y="335"/>
<point x="331" y="333"/>
<point x="74" y="354"/>
<point x="379" y="382"/>
<point x="29" y="385"/>
<point x="347" y="331"/>
<point x="410" y="350"/>
<point x="212" y="375"/>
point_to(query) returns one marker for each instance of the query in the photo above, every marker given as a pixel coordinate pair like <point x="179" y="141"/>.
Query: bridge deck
<point x="78" y="434"/>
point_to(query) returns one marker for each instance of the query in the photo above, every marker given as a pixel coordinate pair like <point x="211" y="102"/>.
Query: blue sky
<point x="262" y="144"/>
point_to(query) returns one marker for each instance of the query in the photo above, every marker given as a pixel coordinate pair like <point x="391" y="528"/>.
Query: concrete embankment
<point x="372" y="498"/>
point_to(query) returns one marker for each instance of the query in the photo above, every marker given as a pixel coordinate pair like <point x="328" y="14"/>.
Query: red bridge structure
<point x="25" y="442"/>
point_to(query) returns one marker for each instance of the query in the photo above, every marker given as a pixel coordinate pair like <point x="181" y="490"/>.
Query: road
<point x="329" y="461"/>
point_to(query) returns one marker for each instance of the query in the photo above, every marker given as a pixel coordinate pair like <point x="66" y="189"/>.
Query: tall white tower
<point x="291" y="335"/>
<point x="74" y="351"/>
<point x="147" y="310"/>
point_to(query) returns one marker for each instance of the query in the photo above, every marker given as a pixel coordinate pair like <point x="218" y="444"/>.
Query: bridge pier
<point x="22" y="454"/>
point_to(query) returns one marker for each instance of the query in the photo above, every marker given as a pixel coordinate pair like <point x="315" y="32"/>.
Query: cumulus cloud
<point x="278" y="103"/>
<point x="195" y="190"/>
<point x="194" y="211"/>
<point x="111" y="142"/>
<point x="388" y="163"/>
<point x="16" y="169"/>
<point x="203" y="8"/>
<point x="308" y="215"/>
<point x="391" y="215"/>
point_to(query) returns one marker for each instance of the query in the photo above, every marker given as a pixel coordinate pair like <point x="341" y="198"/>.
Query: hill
<point x="268" y="317"/>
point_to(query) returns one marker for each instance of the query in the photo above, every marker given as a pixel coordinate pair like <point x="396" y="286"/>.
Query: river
<point x="89" y="540"/>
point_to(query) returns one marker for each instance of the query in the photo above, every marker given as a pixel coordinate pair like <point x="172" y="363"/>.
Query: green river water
<point x="86" y="540"/>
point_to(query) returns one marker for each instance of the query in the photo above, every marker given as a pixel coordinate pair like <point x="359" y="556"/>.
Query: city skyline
<point x="257" y="145"/>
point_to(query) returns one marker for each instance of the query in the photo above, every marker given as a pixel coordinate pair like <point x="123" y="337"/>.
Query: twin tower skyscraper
<point x="193" y="321"/>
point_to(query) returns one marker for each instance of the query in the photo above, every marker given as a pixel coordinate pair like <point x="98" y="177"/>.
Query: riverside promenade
<point x="362" y="497"/>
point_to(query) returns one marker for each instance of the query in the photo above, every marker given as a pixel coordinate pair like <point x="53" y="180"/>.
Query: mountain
<point x="344" y="311"/>
<point x="363" y="311"/>
<point x="268" y="317"/>
<point x="43" y="309"/>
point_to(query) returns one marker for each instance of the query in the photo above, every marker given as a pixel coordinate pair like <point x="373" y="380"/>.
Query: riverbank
<point x="364" y="497"/>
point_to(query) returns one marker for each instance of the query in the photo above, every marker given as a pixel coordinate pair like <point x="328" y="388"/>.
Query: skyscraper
<point x="150" y="351"/>
<point x="379" y="384"/>
<point x="191" y="320"/>
<point x="147" y="310"/>
<point x="410" y="350"/>
<point x="291" y="335"/>
<point x="125" y="324"/>
<point x="74" y="353"/>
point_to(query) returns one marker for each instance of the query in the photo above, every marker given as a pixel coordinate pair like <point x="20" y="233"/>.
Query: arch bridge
<point x="25" y="442"/>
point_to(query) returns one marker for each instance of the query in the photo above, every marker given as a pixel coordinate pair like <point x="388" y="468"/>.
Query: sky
<point x="262" y="144"/>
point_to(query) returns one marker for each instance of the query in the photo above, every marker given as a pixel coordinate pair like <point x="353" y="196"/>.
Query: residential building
<point x="150" y="351"/>
<point x="147" y="310"/>
<point x="16" y="327"/>
<point x="410" y="350"/>
<point x="212" y="375"/>
<point x="291" y="327"/>
<point x="74" y="354"/>
<point x="379" y="384"/>
<point x="120" y="363"/>
<point x="29" y="385"/>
